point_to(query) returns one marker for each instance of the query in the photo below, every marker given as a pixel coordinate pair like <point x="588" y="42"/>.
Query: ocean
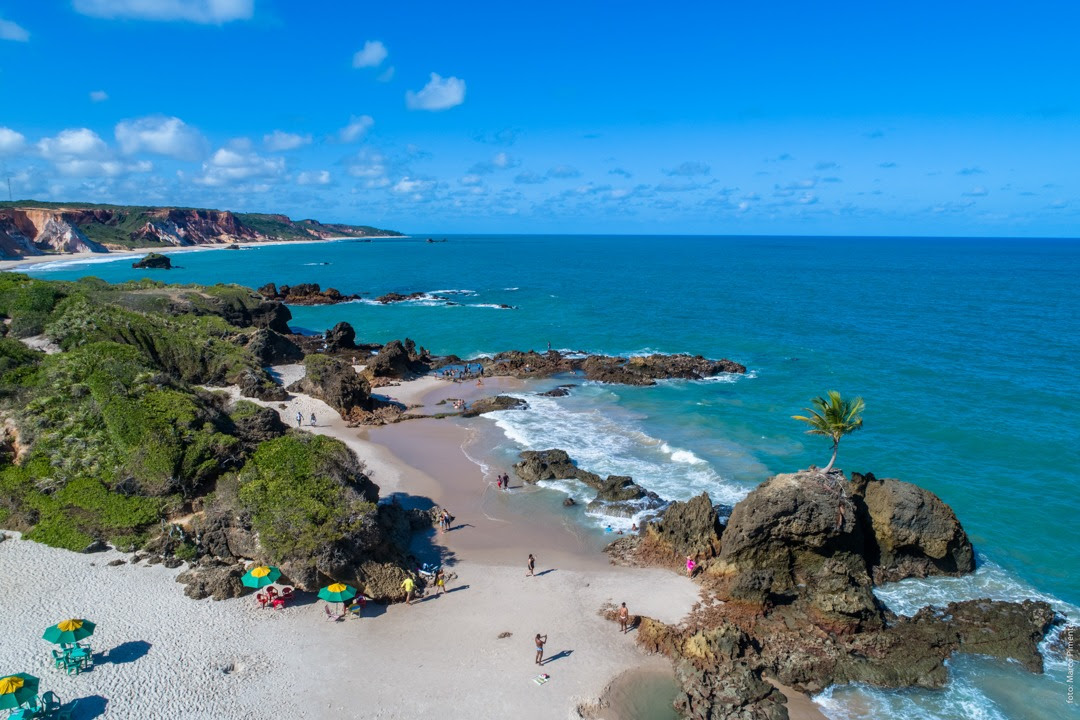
<point x="963" y="350"/>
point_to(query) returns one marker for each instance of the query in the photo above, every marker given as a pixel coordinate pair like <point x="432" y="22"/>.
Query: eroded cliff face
<point x="36" y="232"/>
<point x="30" y="231"/>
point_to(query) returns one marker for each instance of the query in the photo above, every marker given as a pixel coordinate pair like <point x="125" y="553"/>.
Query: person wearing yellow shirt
<point x="410" y="587"/>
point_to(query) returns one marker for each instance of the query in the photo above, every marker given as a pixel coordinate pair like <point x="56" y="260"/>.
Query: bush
<point x="27" y="302"/>
<point x="304" y="492"/>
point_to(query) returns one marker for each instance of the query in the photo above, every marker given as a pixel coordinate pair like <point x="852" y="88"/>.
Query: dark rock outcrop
<point x="220" y="581"/>
<point x="494" y="404"/>
<point x="340" y="337"/>
<point x="913" y="533"/>
<point x="258" y="386"/>
<point x="620" y="496"/>
<point x="560" y="391"/>
<point x="687" y="528"/>
<point x="153" y="261"/>
<point x="399" y="359"/>
<point x="256" y="424"/>
<point x="273" y="348"/>
<point x="537" y="465"/>
<point x="335" y="382"/>
<point x="394" y="297"/>
<point x="304" y="294"/>
<point x="605" y="368"/>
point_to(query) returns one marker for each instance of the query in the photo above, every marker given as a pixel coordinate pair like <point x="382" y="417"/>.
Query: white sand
<point x="440" y="655"/>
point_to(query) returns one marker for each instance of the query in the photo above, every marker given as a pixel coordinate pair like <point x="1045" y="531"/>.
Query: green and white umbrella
<point x="17" y="689"/>
<point x="261" y="576"/>
<point x="337" y="592"/>
<point x="69" y="631"/>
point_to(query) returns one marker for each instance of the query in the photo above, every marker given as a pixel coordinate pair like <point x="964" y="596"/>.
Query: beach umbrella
<point x="337" y="592"/>
<point x="261" y="576"/>
<point x="69" y="631"/>
<point x="17" y="689"/>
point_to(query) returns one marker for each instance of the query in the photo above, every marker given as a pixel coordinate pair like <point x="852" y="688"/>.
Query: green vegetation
<point x="304" y="494"/>
<point x="833" y="417"/>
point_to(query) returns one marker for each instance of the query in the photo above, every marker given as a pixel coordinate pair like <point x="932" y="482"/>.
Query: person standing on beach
<point x="440" y="582"/>
<point x="690" y="565"/>
<point x="409" y="586"/>
<point x="299" y="419"/>
<point x="541" y="640"/>
<point x="312" y="419"/>
<point x="531" y="566"/>
<point x="624" y="618"/>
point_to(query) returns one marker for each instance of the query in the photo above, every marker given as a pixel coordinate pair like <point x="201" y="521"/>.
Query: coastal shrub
<point x="27" y="302"/>
<point x="304" y="493"/>
<point x="17" y="362"/>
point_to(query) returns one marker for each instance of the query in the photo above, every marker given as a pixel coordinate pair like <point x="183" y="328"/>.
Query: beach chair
<point x="261" y="599"/>
<point x="271" y="592"/>
<point x="287" y="594"/>
<point x="50" y="702"/>
<point x="330" y="614"/>
<point x="83" y="656"/>
<point x="59" y="659"/>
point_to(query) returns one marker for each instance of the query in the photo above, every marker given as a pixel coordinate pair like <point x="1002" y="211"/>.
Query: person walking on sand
<point x="541" y="640"/>
<point x="624" y="618"/>
<point x="531" y="566"/>
<point x="690" y="565"/>
<point x="410" y="587"/>
<point x="299" y="419"/>
<point x="440" y="582"/>
<point x="312" y="419"/>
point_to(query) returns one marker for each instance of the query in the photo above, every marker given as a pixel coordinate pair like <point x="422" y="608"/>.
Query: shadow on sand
<point x="557" y="656"/>
<point x="126" y="653"/>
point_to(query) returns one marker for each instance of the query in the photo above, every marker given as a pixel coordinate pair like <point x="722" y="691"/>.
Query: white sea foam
<point x="488" y="305"/>
<point x="606" y="445"/>
<point x="50" y="265"/>
<point x="451" y="292"/>
<point x="511" y="289"/>
<point x="988" y="581"/>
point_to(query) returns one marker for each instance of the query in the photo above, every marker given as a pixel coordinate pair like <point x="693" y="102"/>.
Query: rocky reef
<point x="605" y="368"/>
<point x="304" y="294"/>
<point x="789" y="593"/>
<point x="153" y="261"/>
<point x="616" y="495"/>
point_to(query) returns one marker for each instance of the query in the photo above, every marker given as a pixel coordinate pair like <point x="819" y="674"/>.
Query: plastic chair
<point x="51" y="703"/>
<point x="82" y="655"/>
<point x="59" y="658"/>
<point x="287" y="594"/>
<point x="271" y="592"/>
<point x="261" y="599"/>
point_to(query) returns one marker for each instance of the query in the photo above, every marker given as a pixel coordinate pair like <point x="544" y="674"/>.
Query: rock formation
<point x="340" y="337"/>
<point x="153" y="261"/>
<point x="304" y="294"/>
<point x="791" y="577"/>
<point x="494" y="404"/>
<point x="605" y="368"/>
<point x="617" y="495"/>
<point x="273" y="348"/>
<point x="399" y="359"/>
<point x="335" y="382"/>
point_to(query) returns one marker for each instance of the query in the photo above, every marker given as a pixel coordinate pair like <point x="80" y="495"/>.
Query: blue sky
<point x="956" y="118"/>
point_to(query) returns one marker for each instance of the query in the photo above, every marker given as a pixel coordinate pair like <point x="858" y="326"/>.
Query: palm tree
<point x="833" y="417"/>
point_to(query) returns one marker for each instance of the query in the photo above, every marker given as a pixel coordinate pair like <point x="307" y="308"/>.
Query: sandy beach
<point x="160" y="654"/>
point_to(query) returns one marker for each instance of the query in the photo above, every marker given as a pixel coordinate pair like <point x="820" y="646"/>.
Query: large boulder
<point x="647" y="370"/>
<point x="217" y="580"/>
<point x="494" y="404"/>
<point x="153" y="261"/>
<point x="272" y="348"/>
<point x="341" y="337"/>
<point x="256" y="423"/>
<point x="797" y="537"/>
<point x="398" y="359"/>
<point x="335" y="382"/>
<point x="688" y="528"/>
<point x="912" y="533"/>
<point x="620" y="496"/>
<point x="554" y="464"/>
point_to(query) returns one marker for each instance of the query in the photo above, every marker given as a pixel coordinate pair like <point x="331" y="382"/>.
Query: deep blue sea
<point x="964" y="350"/>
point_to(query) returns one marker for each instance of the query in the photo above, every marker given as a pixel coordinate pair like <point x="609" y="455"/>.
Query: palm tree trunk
<point x="835" y="449"/>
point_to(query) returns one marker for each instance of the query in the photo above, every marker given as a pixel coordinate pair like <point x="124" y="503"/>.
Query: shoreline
<point x="117" y="255"/>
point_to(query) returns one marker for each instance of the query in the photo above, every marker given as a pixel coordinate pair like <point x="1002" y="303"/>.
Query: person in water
<point x="541" y="640"/>
<point x="624" y="618"/>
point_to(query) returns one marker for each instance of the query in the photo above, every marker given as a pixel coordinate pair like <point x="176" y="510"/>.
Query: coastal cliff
<point x="32" y="229"/>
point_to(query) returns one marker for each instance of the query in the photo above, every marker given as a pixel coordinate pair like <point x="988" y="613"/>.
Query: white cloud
<point x="470" y="180"/>
<point x="313" y="177"/>
<point x="98" y="95"/>
<point x="499" y="161"/>
<point x="386" y="75"/>
<point x="372" y="55"/>
<point x="83" y="167"/>
<point x="161" y="135"/>
<point x="356" y="128"/>
<point x="73" y="143"/>
<point x="439" y="94"/>
<point x="11" y="141"/>
<point x="279" y="140"/>
<point x="228" y="166"/>
<point x="529" y="178"/>
<point x="371" y="167"/>
<point x="210" y="12"/>
<point x="13" y="31"/>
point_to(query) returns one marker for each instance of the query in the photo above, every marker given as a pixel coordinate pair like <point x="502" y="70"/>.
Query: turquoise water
<point x="962" y="349"/>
